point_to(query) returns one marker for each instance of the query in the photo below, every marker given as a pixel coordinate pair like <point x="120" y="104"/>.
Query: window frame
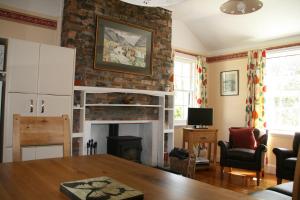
<point x="274" y="54"/>
<point x="192" y="60"/>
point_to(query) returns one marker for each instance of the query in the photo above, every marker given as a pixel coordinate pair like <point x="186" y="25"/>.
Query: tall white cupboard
<point x="39" y="83"/>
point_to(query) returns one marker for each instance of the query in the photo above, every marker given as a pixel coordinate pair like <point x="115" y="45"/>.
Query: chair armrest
<point x="259" y="155"/>
<point x="224" y="149"/>
<point x="260" y="150"/>
<point x="224" y="145"/>
<point x="282" y="153"/>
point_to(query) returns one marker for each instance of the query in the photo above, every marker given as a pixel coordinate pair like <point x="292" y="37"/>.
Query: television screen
<point x="200" y="116"/>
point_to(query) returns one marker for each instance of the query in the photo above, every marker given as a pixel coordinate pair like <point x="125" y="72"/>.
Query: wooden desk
<point x="40" y="179"/>
<point x="194" y="136"/>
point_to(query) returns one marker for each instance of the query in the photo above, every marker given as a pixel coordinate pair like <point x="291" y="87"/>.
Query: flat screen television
<point x="200" y="117"/>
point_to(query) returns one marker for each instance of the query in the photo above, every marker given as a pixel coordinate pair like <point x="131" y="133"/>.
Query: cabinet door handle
<point x="31" y="106"/>
<point x="43" y="106"/>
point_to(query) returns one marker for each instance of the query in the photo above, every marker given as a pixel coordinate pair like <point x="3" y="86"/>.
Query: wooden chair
<point x="40" y="131"/>
<point x="296" y="187"/>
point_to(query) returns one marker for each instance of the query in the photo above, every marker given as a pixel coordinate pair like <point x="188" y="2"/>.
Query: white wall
<point x="228" y="110"/>
<point x="45" y="7"/>
<point x="49" y="9"/>
<point x="184" y="39"/>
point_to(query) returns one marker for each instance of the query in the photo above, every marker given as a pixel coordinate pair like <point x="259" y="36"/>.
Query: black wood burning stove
<point x="128" y="147"/>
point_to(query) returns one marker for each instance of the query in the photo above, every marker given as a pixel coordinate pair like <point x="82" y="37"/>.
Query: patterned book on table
<point x="100" y="188"/>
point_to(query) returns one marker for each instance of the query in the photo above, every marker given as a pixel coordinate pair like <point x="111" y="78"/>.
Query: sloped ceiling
<point x="278" y="21"/>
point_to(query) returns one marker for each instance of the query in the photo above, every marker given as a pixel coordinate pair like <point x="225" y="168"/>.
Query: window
<point x="183" y="82"/>
<point x="282" y="78"/>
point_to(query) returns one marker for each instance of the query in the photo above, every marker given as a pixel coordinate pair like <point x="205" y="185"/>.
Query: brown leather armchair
<point x="286" y="160"/>
<point x="243" y="158"/>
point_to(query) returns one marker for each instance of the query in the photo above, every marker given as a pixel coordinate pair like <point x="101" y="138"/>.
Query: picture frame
<point x="229" y="83"/>
<point x="123" y="47"/>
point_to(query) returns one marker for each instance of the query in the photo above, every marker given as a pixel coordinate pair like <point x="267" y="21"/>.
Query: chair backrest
<point x="261" y="137"/>
<point x="296" y="142"/>
<point x="40" y="131"/>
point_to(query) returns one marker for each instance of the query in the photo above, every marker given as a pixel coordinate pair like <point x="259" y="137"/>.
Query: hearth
<point x="128" y="147"/>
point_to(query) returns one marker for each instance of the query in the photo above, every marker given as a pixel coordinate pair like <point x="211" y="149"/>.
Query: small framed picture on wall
<point x="229" y="83"/>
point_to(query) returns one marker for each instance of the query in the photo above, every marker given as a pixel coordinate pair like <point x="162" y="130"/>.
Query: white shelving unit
<point x="78" y="121"/>
<point x="155" y="146"/>
<point x="168" y="127"/>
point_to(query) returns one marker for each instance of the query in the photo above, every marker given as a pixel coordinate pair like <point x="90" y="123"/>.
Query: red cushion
<point x="242" y="138"/>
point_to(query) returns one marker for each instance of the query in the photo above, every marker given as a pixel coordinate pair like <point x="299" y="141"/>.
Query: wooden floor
<point x="239" y="181"/>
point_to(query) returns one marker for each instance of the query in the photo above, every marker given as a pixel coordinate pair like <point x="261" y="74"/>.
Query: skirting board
<point x="270" y="169"/>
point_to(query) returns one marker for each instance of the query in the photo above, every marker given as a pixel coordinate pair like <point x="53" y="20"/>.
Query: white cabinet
<point x="40" y="83"/>
<point x="34" y="105"/>
<point x="23" y="104"/>
<point x="53" y="151"/>
<point x="42" y="152"/>
<point x="51" y="105"/>
<point x="28" y="153"/>
<point x="7" y="154"/>
<point x="22" y="66"/>
<point x="55" y="69"/>
<point x="40" y="68"/>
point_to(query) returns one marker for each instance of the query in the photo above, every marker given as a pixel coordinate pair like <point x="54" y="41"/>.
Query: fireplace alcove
<point x="149" y="116"/>
<point x="100" y="133"/>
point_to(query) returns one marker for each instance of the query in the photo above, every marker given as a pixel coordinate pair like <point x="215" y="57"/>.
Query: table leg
<point x="190" y="146"/>
<point x="215" y="154"/>
<point x="209" y="152"/>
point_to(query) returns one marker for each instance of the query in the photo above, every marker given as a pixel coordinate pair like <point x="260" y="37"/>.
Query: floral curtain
<point x="255" y="112"/>
<point x="201" y="82"/>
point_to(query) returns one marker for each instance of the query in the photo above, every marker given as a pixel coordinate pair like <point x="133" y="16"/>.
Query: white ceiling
<point x="218" y="32"/>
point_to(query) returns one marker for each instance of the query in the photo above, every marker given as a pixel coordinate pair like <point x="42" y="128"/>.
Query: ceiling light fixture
<point x="240" y="7"/>
<point x="153" y="3"/>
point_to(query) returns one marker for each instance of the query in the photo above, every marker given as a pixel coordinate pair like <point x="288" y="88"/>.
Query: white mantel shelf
<point x="121" y="90"/>
<point x="123" y="105"/>
<point x="120" y="121"/>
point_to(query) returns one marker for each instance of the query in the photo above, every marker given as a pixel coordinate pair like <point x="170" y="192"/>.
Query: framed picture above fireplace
<point x="123" y="47"/>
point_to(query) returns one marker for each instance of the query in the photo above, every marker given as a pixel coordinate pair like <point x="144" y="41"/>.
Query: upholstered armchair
<point x="245" y="150"/>
<point x="286" y="161"/>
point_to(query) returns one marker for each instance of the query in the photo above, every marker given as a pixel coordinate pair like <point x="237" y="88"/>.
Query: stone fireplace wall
<point x="79" y="30"/>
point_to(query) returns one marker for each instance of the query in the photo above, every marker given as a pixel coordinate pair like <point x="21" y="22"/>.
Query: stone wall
<point x="121" y="98"/>
<point x="79" y="29"/>
<point x="122" y="113"/>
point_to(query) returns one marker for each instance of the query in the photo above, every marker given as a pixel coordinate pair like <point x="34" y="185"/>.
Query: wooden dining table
<point x="40" y="179"/>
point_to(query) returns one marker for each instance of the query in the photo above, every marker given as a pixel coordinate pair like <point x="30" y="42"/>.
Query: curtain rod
<point x="186" y="52"/>
<point x="284" y="46"/>
<point x="244" y="54"/>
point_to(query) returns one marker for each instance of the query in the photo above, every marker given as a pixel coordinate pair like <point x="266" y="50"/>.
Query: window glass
<point x="183" y="84"/>
<point x="282" y="78"/>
